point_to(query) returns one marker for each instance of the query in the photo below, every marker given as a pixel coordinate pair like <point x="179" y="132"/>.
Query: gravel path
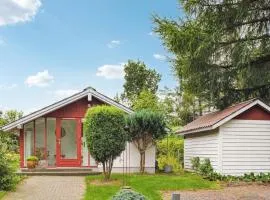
<point x="49" y="188"/>
<point x="249" y="192"/>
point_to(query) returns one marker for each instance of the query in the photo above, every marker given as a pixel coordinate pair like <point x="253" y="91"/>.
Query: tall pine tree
<point x="221" y="48"/>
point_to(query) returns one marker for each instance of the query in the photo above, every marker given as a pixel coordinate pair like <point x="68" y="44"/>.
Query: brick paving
<point x="248" y="192"/>
<point x="49" y="188"/>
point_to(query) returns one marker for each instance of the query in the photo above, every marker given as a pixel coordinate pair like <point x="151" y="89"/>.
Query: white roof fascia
<point x="61" y="104"/>
<point x="195" y="130"/>
<point x="44" y="111"/>
<point x="110" y="101"/>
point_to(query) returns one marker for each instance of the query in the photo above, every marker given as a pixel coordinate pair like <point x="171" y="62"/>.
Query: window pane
<point x="29" y="139"/>
<point x="40" y="138"/>
<point x="68" y="139"/>
<point x="51" y="141"/>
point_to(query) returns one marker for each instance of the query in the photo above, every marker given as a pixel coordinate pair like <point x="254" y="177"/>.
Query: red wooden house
<point x="55" y="134"/>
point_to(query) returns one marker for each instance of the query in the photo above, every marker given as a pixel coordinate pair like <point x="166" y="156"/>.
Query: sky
<point x="50" y="49"/>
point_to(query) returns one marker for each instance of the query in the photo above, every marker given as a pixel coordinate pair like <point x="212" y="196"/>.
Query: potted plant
<point x="32" y="162"/>
<point x="40" y="154"/>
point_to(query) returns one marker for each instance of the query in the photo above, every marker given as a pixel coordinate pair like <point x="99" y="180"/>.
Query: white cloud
<point x="111" y="71"/>
<point x="8" y="87"/>
<point x="64" y="93"/>
<point x="15" y="11"/>
<point x="113" y="44"/>
<point x="41" y="79"/>
<point x="159" y="57"/>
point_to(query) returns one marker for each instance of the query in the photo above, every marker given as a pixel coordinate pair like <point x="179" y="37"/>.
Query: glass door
<point x="68" y="142"/>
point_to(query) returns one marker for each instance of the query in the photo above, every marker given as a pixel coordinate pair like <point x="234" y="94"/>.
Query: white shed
<point x="236" y="139"/>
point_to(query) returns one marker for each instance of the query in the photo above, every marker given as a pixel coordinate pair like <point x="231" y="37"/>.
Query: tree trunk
<point x="104" y="170"/>
<point x="142" y="162"/>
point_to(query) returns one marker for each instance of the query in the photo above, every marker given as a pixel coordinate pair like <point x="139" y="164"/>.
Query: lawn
<point x="2" y="193"/>
<point x="148" y="185"/>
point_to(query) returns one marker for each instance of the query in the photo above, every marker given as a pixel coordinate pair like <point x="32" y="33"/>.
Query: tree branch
<point x="245" y="39"/>
<point x="234" y="25"/>
<point x="252" y="89"/>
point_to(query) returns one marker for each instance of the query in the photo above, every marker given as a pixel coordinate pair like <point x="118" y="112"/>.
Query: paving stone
<point x="49" y="188"/>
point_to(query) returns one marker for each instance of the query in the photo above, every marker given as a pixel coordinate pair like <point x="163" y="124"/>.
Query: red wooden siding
<point x="74" y="110"/>
<point x="254" y="113"/>
<point x="21" y="141"/>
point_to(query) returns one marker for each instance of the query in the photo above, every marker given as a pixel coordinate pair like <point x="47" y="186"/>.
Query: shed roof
<point x="215" y="119"/>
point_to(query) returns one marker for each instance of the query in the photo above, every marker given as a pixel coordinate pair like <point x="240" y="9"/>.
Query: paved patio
<point x="48" y="188"/>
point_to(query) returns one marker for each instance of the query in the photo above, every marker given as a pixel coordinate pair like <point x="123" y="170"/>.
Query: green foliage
<point x="106" y="138"/>
<point x="146" y="100"/>
<point x="32" y="158"/>
<point x="138" y="78"/>
<point x="10" y="138"/>
<point x="206" y="170"/>
<point x="221" y="50"/>
<point x="164" y="160"/>
<point x="195" y="162"/>
<point x="170" y="151"/>
<point x="8" y="166"/>
<point x="145" y="127"/>
<point x="205" y="167"/>
<point x="172" y="145"/>
<point x="128" y="195"/>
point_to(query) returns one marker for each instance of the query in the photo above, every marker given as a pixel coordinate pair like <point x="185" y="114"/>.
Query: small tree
<point x="144" y="128"/>
<point x="146" y="100"/>
<point x="106" y="138"/>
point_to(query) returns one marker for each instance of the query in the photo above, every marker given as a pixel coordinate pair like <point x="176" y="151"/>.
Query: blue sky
<point x="52" y="48"/>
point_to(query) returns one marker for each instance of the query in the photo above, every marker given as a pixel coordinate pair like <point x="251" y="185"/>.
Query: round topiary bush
<point x="128" y="195"/>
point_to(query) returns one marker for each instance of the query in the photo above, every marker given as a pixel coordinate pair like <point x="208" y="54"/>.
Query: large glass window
<point x="51" y="141"/>
<point x="40" y="139"/>
<point x="29" y="139"/>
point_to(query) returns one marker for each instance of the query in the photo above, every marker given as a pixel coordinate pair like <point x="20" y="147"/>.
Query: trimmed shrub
<point x="145" y="127"/>
<point x="128" y="195"/>
<point x="105" y="135"/>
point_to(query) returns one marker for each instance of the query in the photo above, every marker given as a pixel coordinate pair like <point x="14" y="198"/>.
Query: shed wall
<point x="203" y="145"/>
<point x="245" y="146"/>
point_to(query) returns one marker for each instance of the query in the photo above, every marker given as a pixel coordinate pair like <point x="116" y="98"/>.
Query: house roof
<point x="87" y="92"/>
<point x="215" y="119"/>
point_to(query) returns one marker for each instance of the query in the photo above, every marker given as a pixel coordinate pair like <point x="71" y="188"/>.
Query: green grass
<point x="2" y="193"/>
<point x="148" y="185"/>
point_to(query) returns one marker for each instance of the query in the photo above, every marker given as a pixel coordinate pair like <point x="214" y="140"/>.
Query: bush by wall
<point x="128" y="195"/>
<point x="205" y="169"/>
